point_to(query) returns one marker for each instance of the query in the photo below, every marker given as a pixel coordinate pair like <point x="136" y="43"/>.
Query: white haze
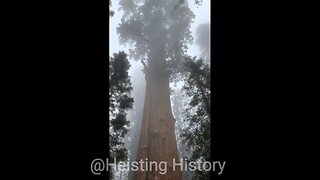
<point x="202" y="13"/>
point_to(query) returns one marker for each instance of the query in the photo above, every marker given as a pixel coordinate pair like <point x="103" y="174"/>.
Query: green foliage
<point x="197" y="114"/>
<point x="119" y="102"/>
<point x="156" y="30"/>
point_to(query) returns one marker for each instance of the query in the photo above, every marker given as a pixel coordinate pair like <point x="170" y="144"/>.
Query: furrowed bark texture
<point x="157" y="138"/>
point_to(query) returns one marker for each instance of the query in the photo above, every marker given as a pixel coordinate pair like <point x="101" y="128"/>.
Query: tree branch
<point x="144" y="64"/>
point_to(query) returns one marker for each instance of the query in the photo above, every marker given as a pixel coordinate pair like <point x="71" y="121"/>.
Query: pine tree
<point x="119" y="102"/>
<point x="197" y="114"/>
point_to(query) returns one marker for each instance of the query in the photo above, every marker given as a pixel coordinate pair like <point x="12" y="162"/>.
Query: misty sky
<point x="202" y="13"/>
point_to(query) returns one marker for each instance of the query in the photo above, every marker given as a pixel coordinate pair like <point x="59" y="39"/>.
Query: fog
<point x="135" y="115"/>
<point x="203" y="41"/>
<point x="194" y="32"/>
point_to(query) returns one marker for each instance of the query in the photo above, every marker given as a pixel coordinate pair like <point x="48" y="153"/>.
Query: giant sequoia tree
<point x="158" y="32"/>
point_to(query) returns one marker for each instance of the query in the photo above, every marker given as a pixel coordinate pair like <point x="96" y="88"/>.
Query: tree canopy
<point x="156" y="26"/>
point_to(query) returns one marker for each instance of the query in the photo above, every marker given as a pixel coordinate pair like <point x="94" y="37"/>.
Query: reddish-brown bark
<point x="157" y="139"/>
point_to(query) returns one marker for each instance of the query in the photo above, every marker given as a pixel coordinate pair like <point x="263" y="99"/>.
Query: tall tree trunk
<point x="157" y="139"/>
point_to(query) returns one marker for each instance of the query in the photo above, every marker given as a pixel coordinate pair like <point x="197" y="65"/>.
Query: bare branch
<point x="144" y="64"/>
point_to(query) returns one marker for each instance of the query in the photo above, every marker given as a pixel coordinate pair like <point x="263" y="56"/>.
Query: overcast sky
<point x="202" y="13"/>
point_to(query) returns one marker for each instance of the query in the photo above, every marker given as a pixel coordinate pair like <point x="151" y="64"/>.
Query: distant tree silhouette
<point x="119" y="102"/>
<point x="197" y="115"/>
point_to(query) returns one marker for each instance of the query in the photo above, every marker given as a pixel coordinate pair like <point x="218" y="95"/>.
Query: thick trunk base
<point x="157" y="141"/>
